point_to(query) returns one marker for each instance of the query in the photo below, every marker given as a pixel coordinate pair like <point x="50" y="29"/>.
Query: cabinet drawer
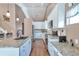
<point x="25" y="48"/>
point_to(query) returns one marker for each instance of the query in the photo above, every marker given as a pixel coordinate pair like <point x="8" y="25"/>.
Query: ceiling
<point x="38" y="11"/>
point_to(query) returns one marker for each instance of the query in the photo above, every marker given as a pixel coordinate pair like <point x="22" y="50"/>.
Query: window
<point x="73" y="16"/>
<point x="74" y="19"/>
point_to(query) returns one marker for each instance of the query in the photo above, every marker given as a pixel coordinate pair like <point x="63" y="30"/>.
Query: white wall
<point x="72" y="30"/>
<point x="9" y="26"/>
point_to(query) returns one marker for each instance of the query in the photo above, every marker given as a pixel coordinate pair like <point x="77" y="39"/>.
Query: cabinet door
<point x="25" y="49"/>
<point x="57" y="53"/>
<point x="28" y="47"/>
<point x="52" y="50"/>
<point x="49" y="48"/>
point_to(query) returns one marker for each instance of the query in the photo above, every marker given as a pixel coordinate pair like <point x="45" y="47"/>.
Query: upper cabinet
<point x="39" y="25"/>
<point x="58" y="16"/>
<point x="53" y="16"/>
<point x="61" y="15"/>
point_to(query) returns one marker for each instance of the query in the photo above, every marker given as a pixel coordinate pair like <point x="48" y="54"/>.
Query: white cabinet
<point x="25" y="49"/>
<point x="9" y="51"/>
<point x="58" y="16"/>
<point x="39" y="25"/>
<point x="54" y="16"/>
<point x="55" y="51"/>
<point x="52" y="50"/>
<point x="22" y="50"/>
<point x="38" y="34"/>
<point x="61" y="15"/>
<point x="50" y="47"/>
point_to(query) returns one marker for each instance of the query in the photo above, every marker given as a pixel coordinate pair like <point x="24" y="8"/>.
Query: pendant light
<point x="8" y="13"/>
<point x="17" y="18"/>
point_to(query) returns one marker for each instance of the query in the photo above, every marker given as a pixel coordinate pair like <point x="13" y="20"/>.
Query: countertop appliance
<point x="2" y="35"/>
<point x="62" y="38"/>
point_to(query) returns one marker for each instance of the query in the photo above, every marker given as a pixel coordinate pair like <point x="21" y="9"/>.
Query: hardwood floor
<point x="39" y="48"/>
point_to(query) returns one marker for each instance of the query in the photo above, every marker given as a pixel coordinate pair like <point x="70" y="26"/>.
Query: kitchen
<point x="29" y="25"/>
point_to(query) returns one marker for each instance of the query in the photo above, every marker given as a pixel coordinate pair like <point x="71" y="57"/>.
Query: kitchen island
<point x="57" y="48"/>
<point x="13" y="47"/>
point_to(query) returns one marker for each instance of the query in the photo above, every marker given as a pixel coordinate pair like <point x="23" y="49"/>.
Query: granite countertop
<point x="11" y="42"/>
<point x="65" y="49"/>
<point x="53" y="37"/>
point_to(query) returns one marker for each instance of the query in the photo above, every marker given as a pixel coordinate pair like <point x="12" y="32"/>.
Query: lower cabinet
<point x="9" y="51"/>
<point x="25" y="49"/>
<point x="49" y="49"/>
<point x="52" y="50"/>
<point x="56" y="52"/>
